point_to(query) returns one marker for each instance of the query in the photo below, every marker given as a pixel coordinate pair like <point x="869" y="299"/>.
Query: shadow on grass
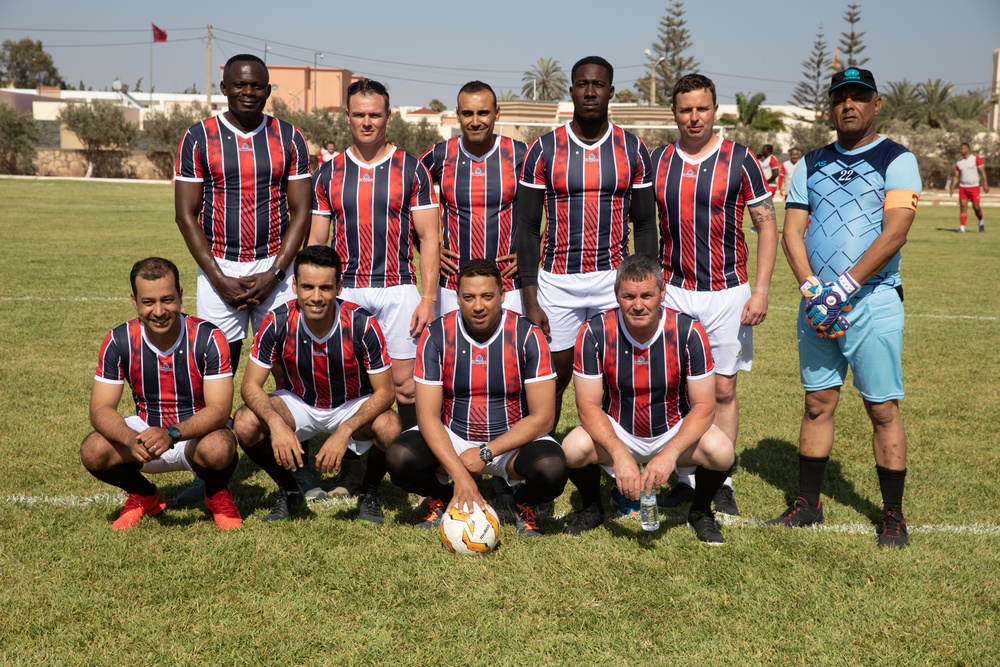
<point x="777" y="463"/>
<point x="953" y="230"/>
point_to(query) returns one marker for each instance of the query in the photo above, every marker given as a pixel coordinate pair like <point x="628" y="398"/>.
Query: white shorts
<point x="571" y="299"/>
<point x="642" y="449"/>
<point x="497" y="467"/>
<point x="448" y="301"/>
<point x="234" y="322"/>
<point x="393" y="309"/>
<point x="171" y="460"/>
<point x="310" y="421"/>
<point x="719" y="313"/>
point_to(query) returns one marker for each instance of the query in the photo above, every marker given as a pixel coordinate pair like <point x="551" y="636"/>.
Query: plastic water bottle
<point x="649" y="513"/>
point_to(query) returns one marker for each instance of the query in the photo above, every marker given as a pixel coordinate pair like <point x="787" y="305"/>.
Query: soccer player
<point x="645" y="393"/>
<point x="852" y="308"/>
<point x="702" y="183"/>
<point x="769" y="166"/>
<point x="970" y="174"/>
<point x="333" y="358"/>
<point x="327" y="152"/>
<point x="477" y="175"/>
<point x="242" y="197"/>
<point x="178" y="369"/>
<point x="787" y="170"/>
<point x="592" y="177"/>
<point x="485" y="404"/>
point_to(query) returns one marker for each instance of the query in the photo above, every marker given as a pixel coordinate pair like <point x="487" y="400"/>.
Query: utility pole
<point x="208" y="72"/>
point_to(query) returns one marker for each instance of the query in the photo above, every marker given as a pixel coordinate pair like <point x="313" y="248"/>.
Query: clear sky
<point x="426" y="50"/>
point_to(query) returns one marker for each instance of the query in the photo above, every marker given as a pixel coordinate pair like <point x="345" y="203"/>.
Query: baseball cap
<point x="862" y="77"/>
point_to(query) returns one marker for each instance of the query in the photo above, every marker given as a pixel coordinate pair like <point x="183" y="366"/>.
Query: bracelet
<point x="432" y="299"/>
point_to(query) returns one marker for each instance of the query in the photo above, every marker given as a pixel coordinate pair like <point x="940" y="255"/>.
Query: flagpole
<point x="151" y="42"/>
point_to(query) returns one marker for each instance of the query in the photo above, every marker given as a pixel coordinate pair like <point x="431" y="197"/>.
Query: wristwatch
<point x="175" y="434"/>
<point x="485" y="453"/>
<point x="278" y="273"/>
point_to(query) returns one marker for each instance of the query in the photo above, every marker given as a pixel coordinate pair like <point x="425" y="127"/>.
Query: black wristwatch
<point x="175" y="434"/>
<point x="485" y="453"/>
<point x="278" y="273"/>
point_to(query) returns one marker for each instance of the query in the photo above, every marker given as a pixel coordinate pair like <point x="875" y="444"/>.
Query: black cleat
<point x="369" y="508"/>
<point x="893" y="531"/>
<point x="432" y="519"/>
<point x="305" y="477"/>
<point x="586" y="519"/>
<point x="527" y="522"/>
<point x="705" y="527"/>
<point x="679" y="495"/>
<point x="193" y="495"/>
<point x="725" y="501"/>
<point x="286" y="506"/>
<point x="799" y="515"/>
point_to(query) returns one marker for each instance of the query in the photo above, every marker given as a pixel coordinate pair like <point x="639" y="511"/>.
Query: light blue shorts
<point x="872" y="347"/>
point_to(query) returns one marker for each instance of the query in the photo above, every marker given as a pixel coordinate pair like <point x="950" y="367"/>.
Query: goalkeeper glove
<point x="811" y="287"/>
<point x="835" y="330"/>
<point x="824" y="309"/>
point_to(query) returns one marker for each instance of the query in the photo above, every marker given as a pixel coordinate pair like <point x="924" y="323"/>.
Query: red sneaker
<point x="224" y="510"/>
<point x="136" y="507"/>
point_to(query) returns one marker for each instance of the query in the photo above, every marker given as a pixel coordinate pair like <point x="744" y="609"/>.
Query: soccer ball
<point x="470" y="533"/>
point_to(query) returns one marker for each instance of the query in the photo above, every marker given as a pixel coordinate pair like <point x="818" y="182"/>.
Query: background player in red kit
<point x="333" y="358"/>
<point x="645" y="392"/>
<point x="970" y="174"/>
<point x="702" y="183"/>
<point x="477" y="174"/>
<point x="178" y="369"/>
<point x="485" y="404"/>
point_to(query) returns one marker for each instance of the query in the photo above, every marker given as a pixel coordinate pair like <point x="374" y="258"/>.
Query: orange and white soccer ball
<point x="475" y="532"/>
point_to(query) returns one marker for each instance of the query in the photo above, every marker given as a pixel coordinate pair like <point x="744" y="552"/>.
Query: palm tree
<point x="969" y="106"/>
<point x="545" y="81"/>
<point x="935" y="96"/>
<point x="750" y="112"/>
<point x="507" y="96"/>
<point x="899" y="102"/>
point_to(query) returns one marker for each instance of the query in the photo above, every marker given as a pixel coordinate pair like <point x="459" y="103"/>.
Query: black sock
<point x="263" y="455"/>
<point x="407" y="415"/>
<point x="891" y="482"/>
<point x="374" y="471"/>
<point x="706" y="484"/>
<point x="127" y="478"/>
<point x="587" y="481"/>
<point x="811" y="472"/>
<point x="542" y="464"/>
<point x="215" y="480"/>
<point x="413" y="468"/>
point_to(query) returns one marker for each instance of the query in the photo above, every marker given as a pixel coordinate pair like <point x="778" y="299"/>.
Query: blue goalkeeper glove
<point x="824" y="309"/>
<point x="835" y="330"/>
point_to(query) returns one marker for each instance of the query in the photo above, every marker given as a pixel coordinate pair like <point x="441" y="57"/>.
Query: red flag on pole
<point x="159" y="34"/>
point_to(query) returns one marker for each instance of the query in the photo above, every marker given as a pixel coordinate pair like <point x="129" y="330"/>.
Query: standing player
<point x="787" y="170"/>
<point x="242" y="197"/>
<point x="770" y="168"/>
<point x="382" y="203"/>
<point x="485" y="404"/>
<point x="477" y="174"/>
<point x="332" y="356"/>
<point x="645" y="393"/>
<point x="326" y="153"/>
<point x="178" y="369"/>
<point x="591" y="176"/>
<point x="852" y="309"/>
<point x="970" y="173"/>
<point x="702" y="182"/>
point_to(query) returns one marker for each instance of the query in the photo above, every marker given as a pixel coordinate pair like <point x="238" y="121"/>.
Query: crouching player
<point x="178" y="369"/>
<point x="486" y="393"/>
<point x="334" y="361"/>
<point x="645" y="391"/>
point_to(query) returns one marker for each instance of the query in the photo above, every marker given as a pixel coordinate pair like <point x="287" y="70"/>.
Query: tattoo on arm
<point x="763" y="213"/>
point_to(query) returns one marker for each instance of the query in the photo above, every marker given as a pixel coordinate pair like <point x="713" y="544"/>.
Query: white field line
<point x="666" y="517"/>
<point x="923" y="316"/>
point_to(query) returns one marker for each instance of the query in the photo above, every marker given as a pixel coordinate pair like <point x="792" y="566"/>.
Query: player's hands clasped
<point x="234" y="291"/>
<point x="823" y="310"/>
<point x="151" y="444"/>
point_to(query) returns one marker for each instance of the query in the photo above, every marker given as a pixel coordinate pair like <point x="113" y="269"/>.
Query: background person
<point x="970" y="175"/>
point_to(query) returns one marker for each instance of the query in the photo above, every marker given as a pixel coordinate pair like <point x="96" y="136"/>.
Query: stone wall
<point x="62" y="162"/>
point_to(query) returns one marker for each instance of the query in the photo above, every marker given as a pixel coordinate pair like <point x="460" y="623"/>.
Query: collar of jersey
<point x="333" y="329"/>
<point x="365" y="165"/>
<point x="635" y="343"/>
<point x="473" y="341"/>
<point x="222" y="119"/>
<point x="690" y="160"/>
<point x="867" y="147"/>
<point x="496" y="144"/>
<point x="589" y="147"/>
<point x="166" y="353"/>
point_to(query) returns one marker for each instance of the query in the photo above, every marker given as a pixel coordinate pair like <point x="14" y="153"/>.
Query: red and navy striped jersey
<point x="325" y="373"/>
<point x="371" y="206"/>
<point x="645" y="384"/>
<point x="588" y="192"/>
<point x="478" y="200"/>
<point x="245" y="183"/>
<point x="483" y="383"/>
<point x="167" y="385"/>
<point x="701" y="202"/>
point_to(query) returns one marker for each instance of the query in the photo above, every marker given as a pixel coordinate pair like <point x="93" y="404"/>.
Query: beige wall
<point x="303" y="89"/>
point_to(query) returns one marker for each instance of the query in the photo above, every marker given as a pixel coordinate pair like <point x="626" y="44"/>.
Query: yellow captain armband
<point x="901" y="199"/>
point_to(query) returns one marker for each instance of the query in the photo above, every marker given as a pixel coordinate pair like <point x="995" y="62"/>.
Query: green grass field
<point x="328" y="590"/>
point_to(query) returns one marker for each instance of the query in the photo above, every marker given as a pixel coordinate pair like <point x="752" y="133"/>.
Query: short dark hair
<point x="319" y="255"/>
<point x="367" y="87"/>
<point x="767" y="147"/>
<point x="477" y="87"/>
<point x="243" y="58"/>
<point x="690" y="83"/>
<point x="480" y="267"/>
<point x="638" y="267"/>
<point x="966" y="144"/>
<point x="592" y="60"/>
<point x="154" y="268"/>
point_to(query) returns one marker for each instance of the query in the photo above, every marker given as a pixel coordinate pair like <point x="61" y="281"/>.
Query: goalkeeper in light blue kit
<point x="847" y="216"/>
